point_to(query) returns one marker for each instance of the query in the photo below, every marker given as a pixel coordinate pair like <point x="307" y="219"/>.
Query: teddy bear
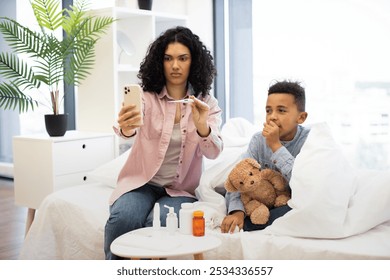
<point x="261" y="189"/>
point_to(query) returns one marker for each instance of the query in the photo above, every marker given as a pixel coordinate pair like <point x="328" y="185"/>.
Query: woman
<point x="165" y="162"/>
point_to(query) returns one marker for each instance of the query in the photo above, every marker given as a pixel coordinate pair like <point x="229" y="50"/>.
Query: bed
<point x="339" y="212"/>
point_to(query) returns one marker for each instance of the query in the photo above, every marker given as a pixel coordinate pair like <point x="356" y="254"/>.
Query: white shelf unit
<point x="100" y="95"/>
<point x="44" y="164"/>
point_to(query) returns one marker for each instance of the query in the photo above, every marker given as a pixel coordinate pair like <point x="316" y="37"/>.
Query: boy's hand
<point x="230" y="222"/>
<point x="271" y="134"/>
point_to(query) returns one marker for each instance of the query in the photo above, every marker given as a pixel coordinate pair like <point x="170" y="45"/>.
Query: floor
<point x="12" y="222"/>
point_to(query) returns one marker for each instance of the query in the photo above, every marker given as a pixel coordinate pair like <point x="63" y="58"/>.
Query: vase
<point x="145" y="4"/>
<point x="56" y="125"/>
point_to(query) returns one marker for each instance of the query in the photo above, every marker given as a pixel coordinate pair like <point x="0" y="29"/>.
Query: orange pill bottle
<point x="198" y="223"/>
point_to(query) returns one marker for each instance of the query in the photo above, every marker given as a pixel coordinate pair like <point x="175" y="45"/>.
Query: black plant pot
<point x="56" y="125"/>
<point x="145" y="4"/>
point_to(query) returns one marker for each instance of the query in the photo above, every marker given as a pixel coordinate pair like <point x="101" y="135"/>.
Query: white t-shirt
<point x="167" y="171"/>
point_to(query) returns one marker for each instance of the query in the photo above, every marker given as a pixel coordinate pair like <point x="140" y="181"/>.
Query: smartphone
<point x="132" y="94"/>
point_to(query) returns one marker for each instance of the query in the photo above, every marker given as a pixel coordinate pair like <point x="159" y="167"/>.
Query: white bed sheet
<point x="69" y="225"/>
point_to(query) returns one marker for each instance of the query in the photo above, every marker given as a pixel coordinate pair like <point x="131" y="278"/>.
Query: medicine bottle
<point x="171" y="222"/>
<point x="198" y="223"/>
<point x="185" y="218"/>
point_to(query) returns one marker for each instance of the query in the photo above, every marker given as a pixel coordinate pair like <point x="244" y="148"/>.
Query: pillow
<point x="108" y="173"/>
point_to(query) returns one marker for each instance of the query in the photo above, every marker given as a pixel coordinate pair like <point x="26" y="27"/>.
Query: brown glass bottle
<point x="198" y="223"/>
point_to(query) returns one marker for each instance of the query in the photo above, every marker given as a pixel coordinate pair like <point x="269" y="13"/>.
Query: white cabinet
<point x="44" y="164"/>
<point x="100" y="95"/>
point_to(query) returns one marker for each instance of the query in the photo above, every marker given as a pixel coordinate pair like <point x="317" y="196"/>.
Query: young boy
<point x="275" y="147"/>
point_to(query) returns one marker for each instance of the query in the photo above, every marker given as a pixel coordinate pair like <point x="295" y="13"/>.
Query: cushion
<point x="108" y="173"/>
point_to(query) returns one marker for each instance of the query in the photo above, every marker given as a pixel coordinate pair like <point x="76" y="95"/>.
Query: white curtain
<point x="9" y="126"/>
<point x="9" y="120"/>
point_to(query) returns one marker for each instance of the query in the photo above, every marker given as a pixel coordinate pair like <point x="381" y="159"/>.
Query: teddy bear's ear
<point x="253" y="162"/>
<point x="229" y="186"/>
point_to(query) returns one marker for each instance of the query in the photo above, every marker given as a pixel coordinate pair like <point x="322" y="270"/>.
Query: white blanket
<point x="330" y="199"/>
<point x="69" y="225"/>
<point x="373" y="244"/>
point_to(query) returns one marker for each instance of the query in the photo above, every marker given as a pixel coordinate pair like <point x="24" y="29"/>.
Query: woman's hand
<point x="200" y="114"/>
<point x="129" y="119"/>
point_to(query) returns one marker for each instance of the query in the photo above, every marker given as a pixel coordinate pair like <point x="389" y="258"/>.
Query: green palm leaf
<point x="48" y="13"/>
<point x="50" y="68"/>
<point x="18" y="71"/>
<point x="75" y="16"/>
<point x="21" y="39"/>
<point x="81" y="62"/>
<point x="11" y="98"/>
<point x="94" y="27"/>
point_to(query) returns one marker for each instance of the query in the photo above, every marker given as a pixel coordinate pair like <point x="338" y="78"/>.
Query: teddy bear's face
<point x="245" y="177"/>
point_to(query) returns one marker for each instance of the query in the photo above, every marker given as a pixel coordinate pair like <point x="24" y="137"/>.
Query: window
<point x="339" y="49"/>
<point x="233" y="57"/>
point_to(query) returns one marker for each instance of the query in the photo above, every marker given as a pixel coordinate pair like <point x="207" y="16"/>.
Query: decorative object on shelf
<point x="145" y="4"/>
<point x="125" y="44"/>
<point x="46" y="55"/>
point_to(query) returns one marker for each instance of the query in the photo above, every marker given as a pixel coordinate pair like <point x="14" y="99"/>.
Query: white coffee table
<point x="156" y="244"/>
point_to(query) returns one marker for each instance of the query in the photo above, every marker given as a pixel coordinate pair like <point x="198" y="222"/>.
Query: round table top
<point x="159" y="243"/>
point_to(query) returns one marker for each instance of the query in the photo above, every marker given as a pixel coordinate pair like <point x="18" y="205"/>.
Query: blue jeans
<point x="274" y="214"/>
<point x="134" y="210"/>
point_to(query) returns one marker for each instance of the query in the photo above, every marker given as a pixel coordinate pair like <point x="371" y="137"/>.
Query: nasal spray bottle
<point x="156" y="216"/>
<point x="171" y="220"/>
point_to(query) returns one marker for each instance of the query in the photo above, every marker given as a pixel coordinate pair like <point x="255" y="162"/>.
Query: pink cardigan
<point x="152" y="140"/>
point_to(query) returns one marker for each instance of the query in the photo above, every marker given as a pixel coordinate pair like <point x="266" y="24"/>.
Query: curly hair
<point x="202" y="70"/>
<point x="293" y="88"/>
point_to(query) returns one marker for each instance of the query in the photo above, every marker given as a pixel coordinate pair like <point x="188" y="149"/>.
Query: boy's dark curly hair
<point x="293" y="88"/>
<point x="202" y="71"/>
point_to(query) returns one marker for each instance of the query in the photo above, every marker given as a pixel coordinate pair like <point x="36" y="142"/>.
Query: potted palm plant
<point x="38" y="58"/>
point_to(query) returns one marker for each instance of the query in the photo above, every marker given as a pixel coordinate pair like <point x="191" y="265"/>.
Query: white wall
<point x="200" y="20"/>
